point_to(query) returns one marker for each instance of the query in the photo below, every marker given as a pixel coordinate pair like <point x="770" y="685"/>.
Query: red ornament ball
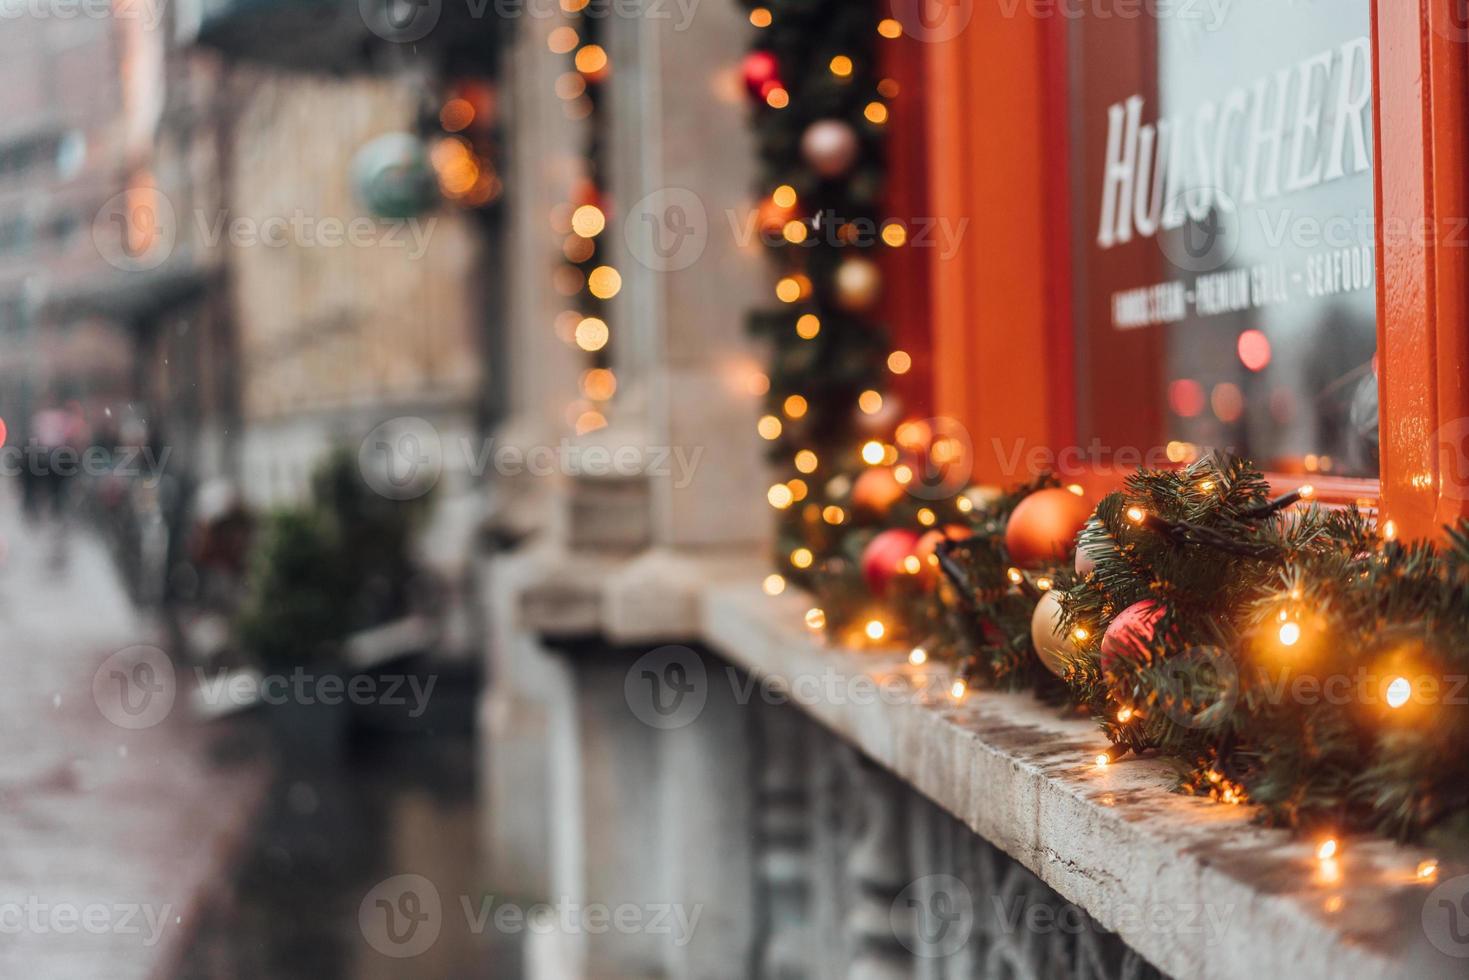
<point x="759" y="68"/>
<point x="1131" y="633"/>
<point x="883" y="557"/>
<point x="1043" y="527"/>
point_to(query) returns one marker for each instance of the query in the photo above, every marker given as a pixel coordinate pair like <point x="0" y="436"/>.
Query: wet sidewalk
<point x="118" y="821"/>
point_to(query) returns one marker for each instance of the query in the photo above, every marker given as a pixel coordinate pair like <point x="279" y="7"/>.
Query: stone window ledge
<point x="1192" y="885"/>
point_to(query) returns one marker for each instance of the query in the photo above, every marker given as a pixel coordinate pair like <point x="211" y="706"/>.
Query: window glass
<point x="1221" y="176"/>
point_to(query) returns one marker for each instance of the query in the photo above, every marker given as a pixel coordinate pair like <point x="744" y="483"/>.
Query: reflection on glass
<point x="1224" y="250"/>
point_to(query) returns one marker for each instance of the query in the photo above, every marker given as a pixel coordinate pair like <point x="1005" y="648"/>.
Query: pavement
<point x="116" y="828"/>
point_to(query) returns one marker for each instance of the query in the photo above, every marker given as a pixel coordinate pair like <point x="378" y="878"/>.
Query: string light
<point x="1327" y="849"/>
<point x="604" y="282"/>
<point x="802" y="558"/>
<point x="773" y="584"/>
<point x="784" y="196"/>
<point x="832" y="514"/>
<point x="903" y="473"/>
<point x="1081" y="634"/>
<point x="1290" y="634"/>
<point x="562" y="40"/>
<point x="815" y="619"/>
<point x="1102" y="760"/>
<point x="794" y="231"/>
<point x="780" y="497"/>
<point x="777" y="98"/>
<point x="1427" y="869"/>
<point x="964" y="504"/>
<point x="769" y="427"/>
<point x="841" y="66"/>
<point x="958" y="689"/>
<point x="808" y="325"/>
<point x="1014" y="576"/>
<point x="899" y="362"/>
<point x="1077" y="489"/>
<point x="876" y="113"/>
<point x="795" y="406"/>
<point x="872" y="452"/>
<point x="1307" y="492"/>
<point x="927" y="517"/>
<point x="591" y="60"/>
<point x="1399" y="690"/>
<point x="799" y="490"/>
<point x="870" y="402"/>
<point x="875" y="629"/>
<point x="588" y="221"/>
<point x="889" y="28"/>
<point x="806" y="461"/>
<point x="1124" y="715"/>
<point x="1390" y="530"/>
<point x="788" y="290"/>
<point x="912" y="565"/>
<point x="592" y="334"/>
<point x="918" y="656"/>
<point x="894" y="234"/>
<point x="1136" y="514"/>
<point x="760" y="17"/>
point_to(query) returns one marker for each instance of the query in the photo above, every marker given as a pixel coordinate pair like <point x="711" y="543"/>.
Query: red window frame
<point x="1002" y="307"/>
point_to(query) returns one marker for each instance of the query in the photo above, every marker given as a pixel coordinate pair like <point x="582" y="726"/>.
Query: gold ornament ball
<point x="829" y="147"/>
<point x="875" y="491"/>
<point x="858" y="284"/>
<point x="1053" y="647"/>
<point x="1043" y="527"/>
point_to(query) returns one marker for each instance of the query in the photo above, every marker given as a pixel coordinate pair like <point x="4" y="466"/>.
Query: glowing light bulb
<point x="774" y="584"/>
<point x="1136" y="514"/>
<point x="1044" y="584"/>
<point x="841" y="66"/>
<point x="927" y="517"/>
<point x="1307" y="492"/>
<point x="588" y="221"/>
<point x="1427" y="869"/>
<point x="912" y="565"/>
<point x="780" y="496"/>
<point x="1076" y="488"/>
<point x="958" y="689"/>
<point x="1102" y="760"/>
<point x="784" y="196"/>
<point x="815" y="619"/>
<point x="808" y="325"/>
<point x="872" y="452"/>
<point x="918" y="656"/>
<point x="769" y="427"/>
<point x="802" y="558"/>
<point x="1080" y="633"/>
<point x="1014" y="576"/>
<point x="1390" y="530"/>
<point x="900" y="362"/>
<point x="1327" y="850"/>
<point x="1399" y="690"/>
<point x="875" y="629"/>
<point x="806" y="461"/>
<point x="1290" y="634"/>
<point x="870" y="402"/>
<point x="1125" y="715"/>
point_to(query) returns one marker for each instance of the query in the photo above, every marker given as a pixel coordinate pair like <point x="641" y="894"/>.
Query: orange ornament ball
<point x="875" y="491"/>
<point x="883" y="558"/>
<point x="928" y="546"/>
<point x="1043" y="527"/>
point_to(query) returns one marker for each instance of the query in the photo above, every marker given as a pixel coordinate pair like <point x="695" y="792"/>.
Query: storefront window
<point x="1223" y="258"/>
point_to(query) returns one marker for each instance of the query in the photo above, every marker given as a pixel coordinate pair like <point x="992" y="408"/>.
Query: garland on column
<point x="584" y="218"/>
<point x="1288" y="655"/>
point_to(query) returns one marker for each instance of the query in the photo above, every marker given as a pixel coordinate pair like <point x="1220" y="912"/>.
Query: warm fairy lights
<point x="927" y="517"/>
<point x="890" y="28"/>
<point x="773" y="585"/>
<point x="918" y="656"/>
<point x="1102" y="760"/>
<point x="958" y="689"/>
<point x="1290" y="634"/>
<point x="873" y="452"/>
<point x="795" y="407"/>
<point x="815" y="619"/>
<point x="760" y="17"/>
<point x="780" y="496"/>
<point x="806" y="461"/>
<point x="769" y="427"/>
<point x="1390" y="530"/>
<point x="841" y="66"/>
<point x="899" y="362"/>
<point x="784" y="196"/>
<point x="808" y="325"/>
<point x="1399" y="691"/>
<point x="1427" y="869"/>
<point x="591" y="334"/>
<point x="1014" y="576"/>
<point x="802" y="558"/>
<point x="832" y="514"/>
<point x="1124" y="715"/>
<point x="875" y="629"/>
<point x="1136" y="514"/>
<point x="1327" y="849"/>
<point x="588" y="221"/>
<point x="1080" y="634"/>
<point x="870" y="402"/>
<point x="1044" y="584"/>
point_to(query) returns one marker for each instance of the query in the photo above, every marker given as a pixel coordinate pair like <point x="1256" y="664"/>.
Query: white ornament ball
<point x="1054" y="648"/>
<point x="858" y="284"/>
<point x="829" y="147"/>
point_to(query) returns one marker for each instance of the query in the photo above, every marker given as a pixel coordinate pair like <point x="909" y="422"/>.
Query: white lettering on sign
<point x="1287" y="132"/>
